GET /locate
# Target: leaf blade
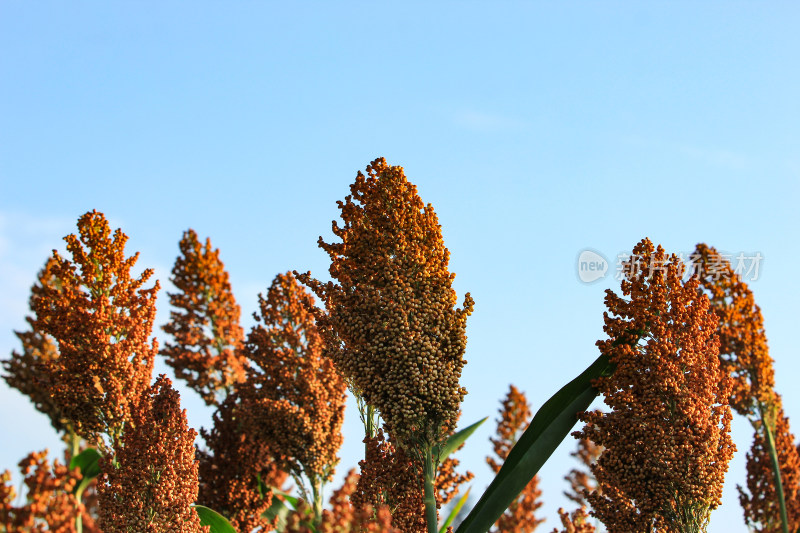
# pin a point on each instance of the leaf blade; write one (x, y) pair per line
(209, 517)
(552, 423)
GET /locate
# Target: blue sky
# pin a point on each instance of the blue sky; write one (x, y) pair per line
(536, 130)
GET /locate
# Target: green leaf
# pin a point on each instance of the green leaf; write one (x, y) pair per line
(218, 523)
(457, 439)
(278, 510)
(549, 427)
(456, 508)
(89, 463)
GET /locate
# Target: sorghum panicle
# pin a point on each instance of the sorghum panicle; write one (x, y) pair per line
(515, 415)
(207, 338)
(743, 342)
(398, 337)
(231, 466)
(667, 434)
(760, 502)
(101, 320)
(23, 369)
(293, 397)
(577, 522)
(390, 477)
(49, 503)
(581, 480)
(151, 483)
(344, 517)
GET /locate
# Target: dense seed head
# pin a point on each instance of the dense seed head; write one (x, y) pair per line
(515, 416)
(667, 434)
(101, 320)
(23, 368)
(395, 332)
(49, 500)
(760, 501)
(207, 338)
(293, 398)
(743, 342)
(151, 483)
(581, 480)
(231, 466)
(576, 522)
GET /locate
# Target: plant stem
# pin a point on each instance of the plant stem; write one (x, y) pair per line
(316, 489)
(776, 469)
(429, 474)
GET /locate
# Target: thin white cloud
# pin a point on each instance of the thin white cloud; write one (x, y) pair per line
(486, 122)
(711, 155)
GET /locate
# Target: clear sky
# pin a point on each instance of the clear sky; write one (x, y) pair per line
(535, 129)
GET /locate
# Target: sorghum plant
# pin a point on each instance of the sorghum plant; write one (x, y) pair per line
(577, 522)
(101, 320)
(515, 415)
(293, 397)
(743, 347)
(745, 355)
(231, 465)
(759, 502)
(581, 480)
(24, 368)
(150, 484)
(667, 434)
(395, 332)
(50, 504)
(207, 338)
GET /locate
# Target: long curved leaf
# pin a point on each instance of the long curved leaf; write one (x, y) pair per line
(209, 517)
(549, 427)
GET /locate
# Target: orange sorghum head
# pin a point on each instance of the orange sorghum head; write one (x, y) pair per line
(151, 483)
(23, 369)
(101, 319)
(398, 339)
(207, 338)
(577, 522)
(581, 480)
(390, 477)
(667, 434)
(49, 501)
(515, 415)
(345, 517)
(760, 502)
(293, 398)
(230, 468)
(743, 343)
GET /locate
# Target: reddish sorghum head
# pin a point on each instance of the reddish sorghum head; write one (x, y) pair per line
(49, 503)
(231, 466)
(743, 342)
(293, 398)
(101, 320)
(23, 368)
(151, 483)
(577, 522)
(205, 350)
(667, 433)
(515, 415)
(398, 337)
(760, 501)
(581, 481)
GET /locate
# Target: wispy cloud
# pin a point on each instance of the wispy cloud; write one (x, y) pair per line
(486, 122)
(710, 155)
